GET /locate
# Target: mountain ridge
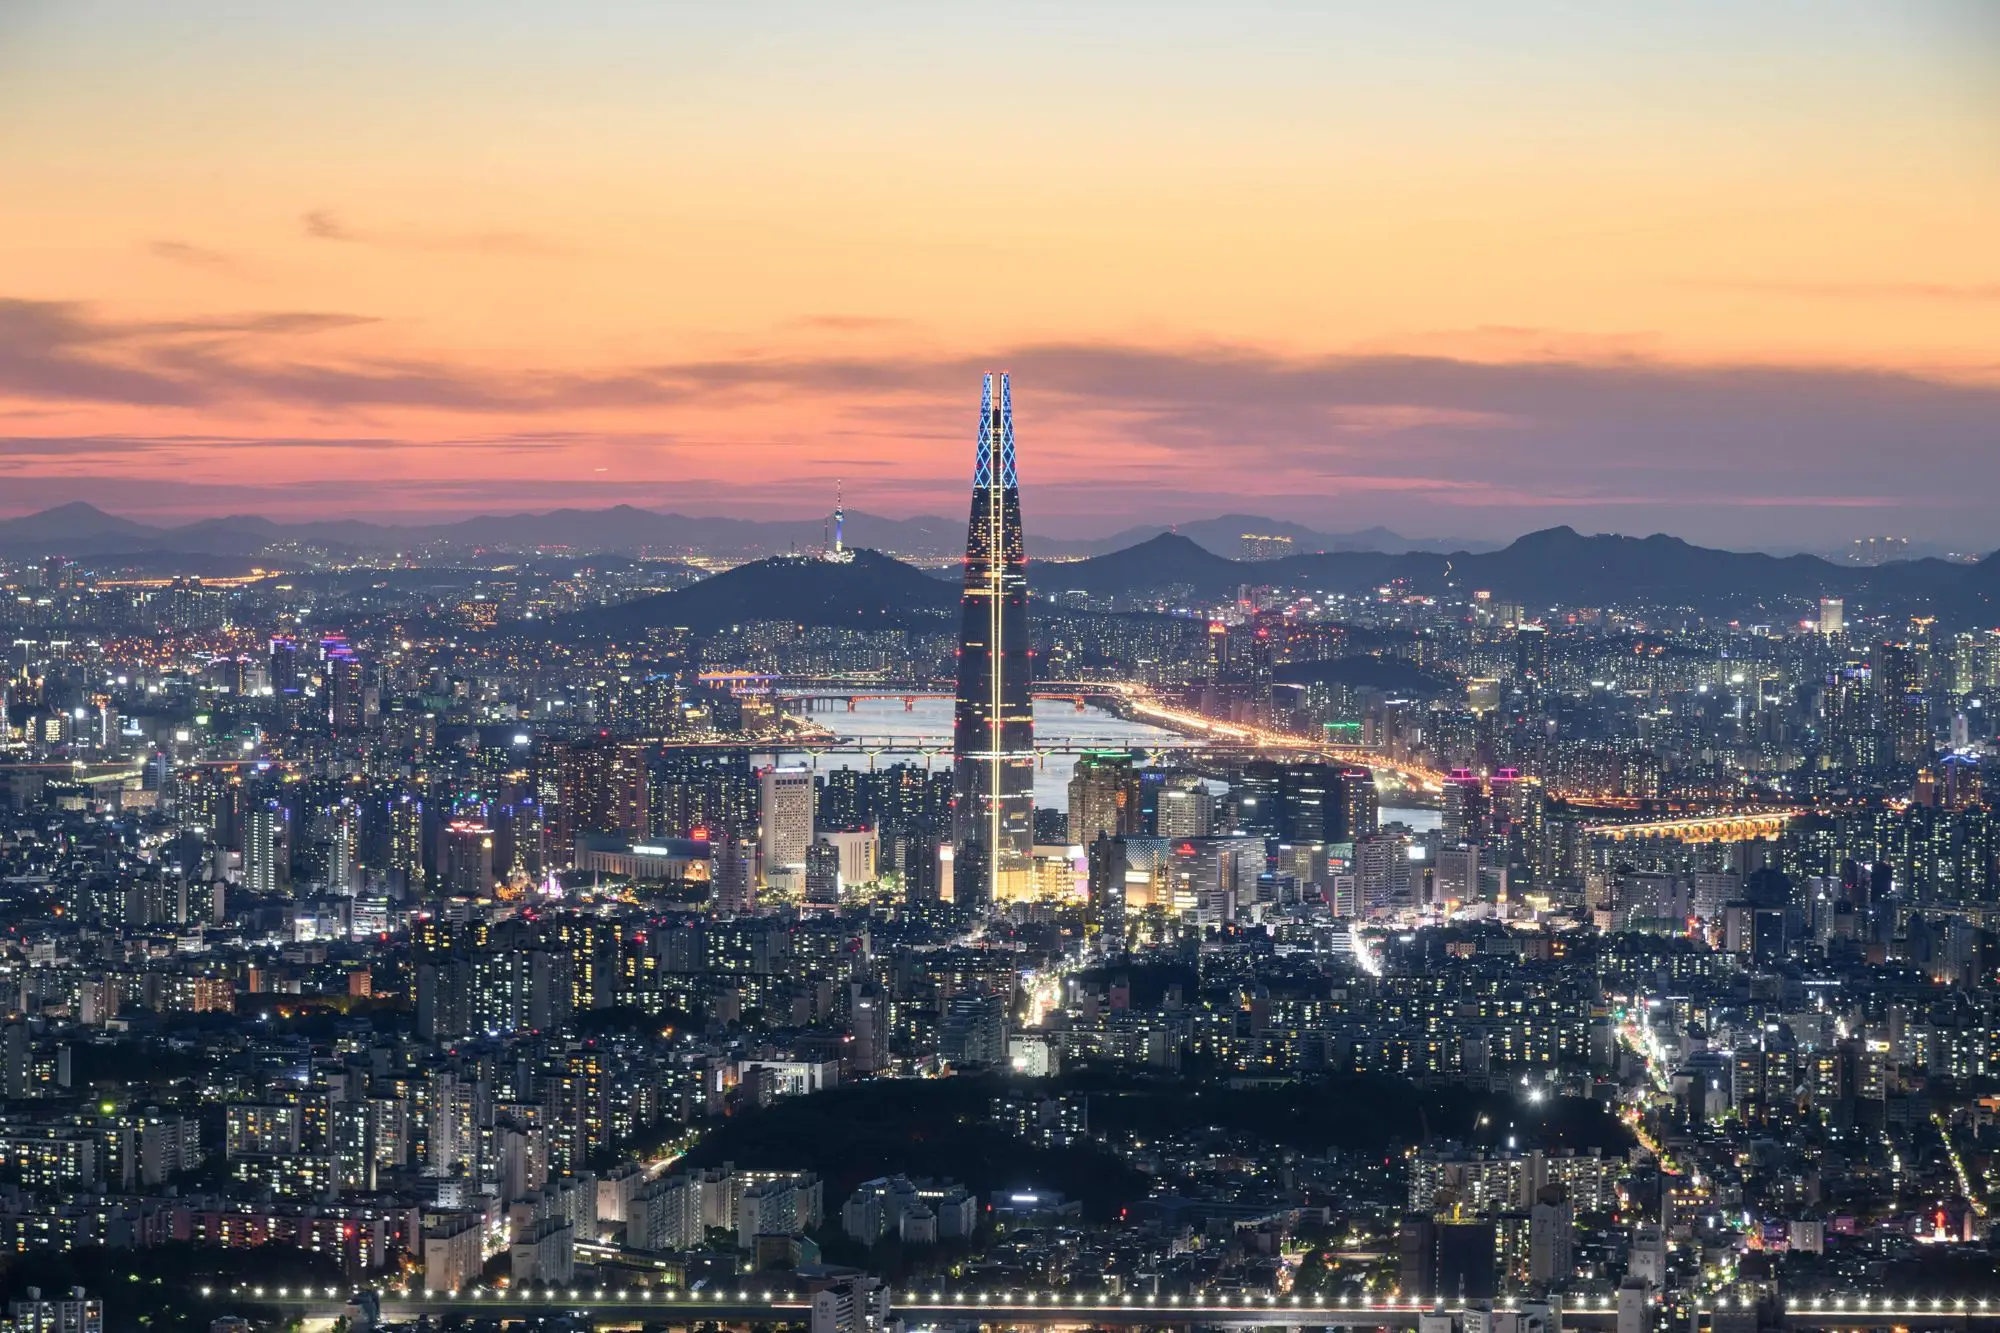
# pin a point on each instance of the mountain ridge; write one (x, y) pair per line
(1552, 566)
(82, 530)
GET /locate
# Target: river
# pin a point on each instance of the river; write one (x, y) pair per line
(926, 723)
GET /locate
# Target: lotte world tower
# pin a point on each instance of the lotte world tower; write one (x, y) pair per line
(993, 733)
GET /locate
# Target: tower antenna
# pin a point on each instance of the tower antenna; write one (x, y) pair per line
(836, 551)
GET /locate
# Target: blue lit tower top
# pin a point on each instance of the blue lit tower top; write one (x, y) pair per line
(991, 422)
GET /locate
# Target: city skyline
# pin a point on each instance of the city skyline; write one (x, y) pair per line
(539, 793)
(1721, 273)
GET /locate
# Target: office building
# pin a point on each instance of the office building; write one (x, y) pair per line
(1186, 808)
(787, 813)
(822, 874)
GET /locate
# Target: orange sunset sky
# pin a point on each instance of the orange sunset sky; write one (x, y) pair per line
(1730, 270)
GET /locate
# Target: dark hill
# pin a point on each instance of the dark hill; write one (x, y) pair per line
(1973, 598)
(1155, 565)
(74, 527)
(1354, 571)
(1391, 675)
(1171, 560)
(923, 1127)
(1562, 565)
(873, 591)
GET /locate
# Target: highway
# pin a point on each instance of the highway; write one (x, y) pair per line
(1239, 735)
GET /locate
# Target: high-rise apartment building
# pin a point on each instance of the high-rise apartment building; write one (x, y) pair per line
(1103, 796)
(1264, 546)
(267, 848)
(601, 787)
(467, 858)
(406, 839)
(993, 734)
(347, 685)
(697, 791)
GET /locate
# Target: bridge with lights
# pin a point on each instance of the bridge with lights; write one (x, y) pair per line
(1013, 1308)
(1721, 826)
(1053, 1308)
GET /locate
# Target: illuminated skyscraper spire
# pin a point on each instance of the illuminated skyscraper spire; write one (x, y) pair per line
(993, 732)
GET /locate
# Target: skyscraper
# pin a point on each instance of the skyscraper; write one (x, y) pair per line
(600, 787)
(1103, 796)
(1186, 808)
(993, 735)
(788, 824)
(267, 848)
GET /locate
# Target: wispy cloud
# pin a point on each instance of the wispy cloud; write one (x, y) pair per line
(1399, 435)
(67, 351)
(851, 323)
(323, 224)
(193, 256)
